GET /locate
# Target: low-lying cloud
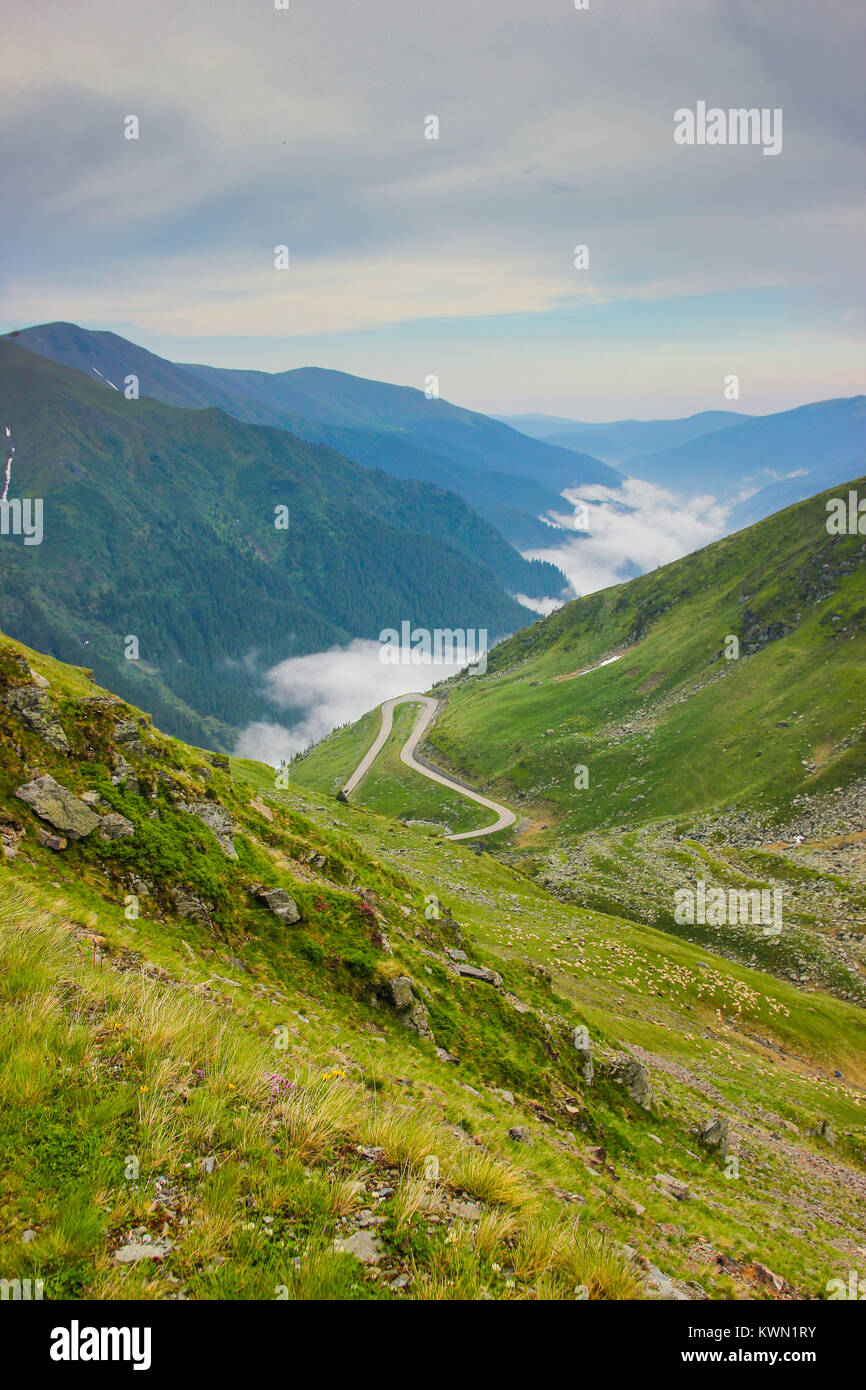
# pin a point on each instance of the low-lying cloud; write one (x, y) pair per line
(333, 688)
(615, 534)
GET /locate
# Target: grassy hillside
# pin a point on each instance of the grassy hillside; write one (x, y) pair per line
(682, 745)
(220, 1101)
(160, 523)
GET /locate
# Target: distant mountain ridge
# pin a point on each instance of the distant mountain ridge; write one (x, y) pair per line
(509, 479)
(772, 461)
(621, 440)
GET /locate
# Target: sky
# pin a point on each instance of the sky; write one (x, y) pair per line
(408, 256)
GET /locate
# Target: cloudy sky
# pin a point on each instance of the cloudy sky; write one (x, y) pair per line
(454, 256)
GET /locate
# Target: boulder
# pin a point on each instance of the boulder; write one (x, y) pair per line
(55, 843)
(137, 1250)
(520, 1134)
(34, 708)
(116, 827)
(629, 1072)
(59, 806)
(825, 1131)
(480, 973)
(583, 1048)
(399, 995)
(364, 1245)
(713, 1133)
(672, 1186)
(399, 992)
(278, 901)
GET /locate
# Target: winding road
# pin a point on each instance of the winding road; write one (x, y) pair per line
(407, 756)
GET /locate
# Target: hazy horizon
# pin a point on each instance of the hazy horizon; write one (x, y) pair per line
(308, 128)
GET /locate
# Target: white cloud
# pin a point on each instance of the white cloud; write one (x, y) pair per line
(539, 605)
(333, 688)
(631, 530)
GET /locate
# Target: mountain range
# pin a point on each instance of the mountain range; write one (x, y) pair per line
(758, 464)
(160, 524)
(510, 480)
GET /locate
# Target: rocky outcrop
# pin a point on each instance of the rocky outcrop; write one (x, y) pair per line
(124, 774)
(758, 635)
(116, 827)
(218, 821)
(478, 972)
(714, 1133)
(629, 1072)
(59, 807)
(278, 901)
(186, 904)
(583, 1047)
(399, 994)
(34, 709)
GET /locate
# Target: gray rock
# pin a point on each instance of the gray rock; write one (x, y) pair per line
(629, 1072)
(459, 957)
(674, 1187)
(187, 905)
(116, 827)
(520, 1134)
(278, 901)
(713, 1133)
(27, 1237)
(826, 1131)
(133, 1252)
(59, 806)
(125, 732)
(34, 708)
(124, 774)
(480, 973)
(399, 994)
(364, 1245)
(11, 835)
(219, 822)
(584, 1049)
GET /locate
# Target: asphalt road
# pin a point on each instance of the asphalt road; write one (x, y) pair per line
(407, 756)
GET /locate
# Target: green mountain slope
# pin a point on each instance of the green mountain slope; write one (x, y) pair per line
(243, 1063)
(159, 523)
(681, 746)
